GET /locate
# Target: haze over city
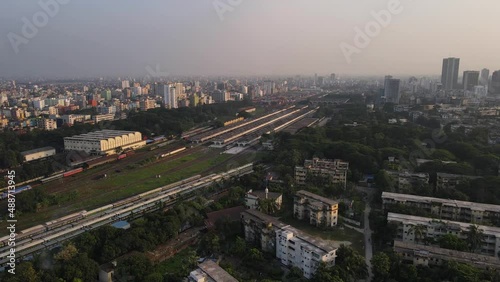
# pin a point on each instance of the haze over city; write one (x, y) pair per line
(257, 37)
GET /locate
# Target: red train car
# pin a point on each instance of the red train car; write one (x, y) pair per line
(72, 172)
(122, 156)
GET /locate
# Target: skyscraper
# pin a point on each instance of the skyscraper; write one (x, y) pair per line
(391, 90)
(470, 79)
(485, 77)
(495, 82)
(449, 74)
(169, 96)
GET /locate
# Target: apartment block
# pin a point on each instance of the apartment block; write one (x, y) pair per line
(463, 211)
(318, 210)
(430, 255)
(406, 181)
(334, 170)
(434, 228)
(292, 246)
(450, 181)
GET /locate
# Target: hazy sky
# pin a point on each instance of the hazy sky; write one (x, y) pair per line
(123, 37)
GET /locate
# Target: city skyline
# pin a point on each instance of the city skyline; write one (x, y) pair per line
(95, 39)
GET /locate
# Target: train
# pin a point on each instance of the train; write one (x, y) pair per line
(18, 190)
(87, 165)
(172, 152)
(127, 206)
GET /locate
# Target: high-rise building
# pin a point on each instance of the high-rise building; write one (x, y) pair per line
(169, 95)
(125, 84)
(269, 87)
(332, 78)
(470, 79)
(392, 90)
(449, 74)
(495, 82)
(485, 77)
(106, 94)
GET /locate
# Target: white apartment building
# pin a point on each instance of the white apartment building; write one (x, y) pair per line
(335, 170)
(463, 211)
(434, 228)
(318, 210)
(104, 141)
(47, 124)
(292, 246)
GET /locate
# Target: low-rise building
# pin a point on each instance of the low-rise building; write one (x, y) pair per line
(431, 255)
(291, 246)
(38, 153)
(252, 198)
(209, 271)
(434, 228)
(103, 117)
(450, 181)
(406, 181)
(334, 170)
(463, 211)
(318, 210)
(104, 141)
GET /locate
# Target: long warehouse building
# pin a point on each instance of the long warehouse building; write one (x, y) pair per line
(104, 141)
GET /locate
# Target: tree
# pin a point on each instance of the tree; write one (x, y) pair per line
(419, 230)
(352, 263)
(67, 253)
(452, 242)
(239, 246)
(268, 206)
(381, 266)
(474, 237)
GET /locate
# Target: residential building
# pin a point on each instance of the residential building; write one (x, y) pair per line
(431, 255)
(125, 84)
(495, 82)
(291, 246)
(99, 118)
(252, 198)
(450, 181)
(485, 77)
(38, 153)
(392, 92)
(47, 124)
(407, 181)
(209, 271)
(334, 170)
(463, 211)
(147, 104)
(470, 80)
(449, 74)
(434, 228)
(104, 141)
(318, 210)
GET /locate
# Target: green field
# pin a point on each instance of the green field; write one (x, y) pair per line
(89, 194)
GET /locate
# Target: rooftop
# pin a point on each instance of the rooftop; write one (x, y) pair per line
(217, 273)
(37, 150)
(446, 202)
(319, 243)
(418, 220)
(262, 194)
(445, 254)
(102, 134)
(322, 199)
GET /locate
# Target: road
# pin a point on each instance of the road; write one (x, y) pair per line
(367, 230)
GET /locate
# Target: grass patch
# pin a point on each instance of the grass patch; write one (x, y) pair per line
(175, 265)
